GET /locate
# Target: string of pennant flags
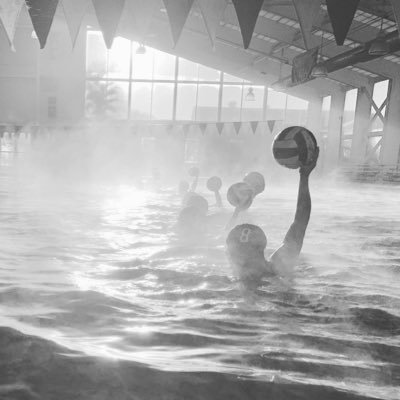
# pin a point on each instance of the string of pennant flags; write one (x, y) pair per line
(141, 12)
(14, 131)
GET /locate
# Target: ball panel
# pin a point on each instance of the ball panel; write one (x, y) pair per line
(294, 146)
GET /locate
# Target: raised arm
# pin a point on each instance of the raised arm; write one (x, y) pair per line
(284, 259)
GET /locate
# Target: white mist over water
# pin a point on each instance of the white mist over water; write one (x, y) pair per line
(90, 260)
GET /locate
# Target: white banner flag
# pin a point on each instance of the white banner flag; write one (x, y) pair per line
(213, 12)
(307, 11)
(9, 13)
(74, 11)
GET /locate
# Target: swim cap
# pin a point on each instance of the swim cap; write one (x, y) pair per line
(246, 238)
(191, 218)
(197, 201)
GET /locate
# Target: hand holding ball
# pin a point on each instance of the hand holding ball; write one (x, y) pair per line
(295, 147)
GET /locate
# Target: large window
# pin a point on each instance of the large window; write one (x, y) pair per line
(136, 83)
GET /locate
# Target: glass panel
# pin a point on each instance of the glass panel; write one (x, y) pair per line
(252, 106)
(143, 64)
(326, 108)
(107, 99)
(207, 103)
(231, 78)
(186, 102)
(276, 105)
(208, 74)
(188, 70)
(96, 55)
(349, 112)
(119, 59)
(164, 66)
(231, 103)
(163, 95)
(380, 92)
(374, 148)
(141, 100)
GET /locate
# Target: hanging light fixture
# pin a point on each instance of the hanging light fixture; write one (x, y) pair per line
(319, 70)
(250, 96)
(141, 49)
(379, 47)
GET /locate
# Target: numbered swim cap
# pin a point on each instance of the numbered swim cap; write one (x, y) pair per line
(245, 238)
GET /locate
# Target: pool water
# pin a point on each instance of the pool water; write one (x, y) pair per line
(100, 298)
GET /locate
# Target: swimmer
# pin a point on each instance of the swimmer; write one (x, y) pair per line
(194, 172)
(183, 188)
(191, 220)
(214, 184)
(246, 243)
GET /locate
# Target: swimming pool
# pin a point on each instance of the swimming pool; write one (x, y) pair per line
(100, 299)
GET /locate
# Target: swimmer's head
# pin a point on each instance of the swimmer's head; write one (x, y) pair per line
(196, 201)
(245, 247)
(191, 220)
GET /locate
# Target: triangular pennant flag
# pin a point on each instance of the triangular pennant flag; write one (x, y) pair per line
(142, 12)
(254, 126)
(203, 128)
(74, 11)
(237, 126)
(247, 13)
(108, 14)
(212, 11)
(271, 125)
(9, 13)
(178, 11)
(220, 127)
(396, 12)
(307, 11)
(341, 13)
(42, 15)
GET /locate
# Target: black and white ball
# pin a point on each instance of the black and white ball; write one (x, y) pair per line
(294, 147)
(240, 195)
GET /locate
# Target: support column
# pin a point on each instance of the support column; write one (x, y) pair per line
(361, 128)
(389, 154)
(333, 145)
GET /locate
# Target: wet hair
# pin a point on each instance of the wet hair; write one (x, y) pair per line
(246, 238)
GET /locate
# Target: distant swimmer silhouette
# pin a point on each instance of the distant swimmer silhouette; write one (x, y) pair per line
(246, 243)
